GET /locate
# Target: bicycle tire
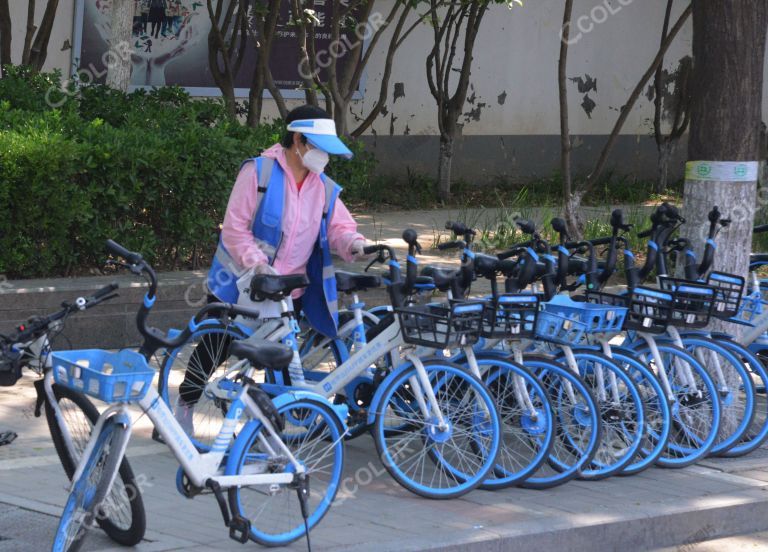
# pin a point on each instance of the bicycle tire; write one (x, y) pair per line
(565, 463)
(90, 490)
(126, 534)
(270, 531)
(679, 455)
(481, 439)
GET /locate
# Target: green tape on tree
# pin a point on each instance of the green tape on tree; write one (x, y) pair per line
(722, 171)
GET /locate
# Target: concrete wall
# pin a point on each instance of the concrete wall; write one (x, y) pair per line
(511, 117)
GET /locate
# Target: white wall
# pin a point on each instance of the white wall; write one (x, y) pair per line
(516, 53)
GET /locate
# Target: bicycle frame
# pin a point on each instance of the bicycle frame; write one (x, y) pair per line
(202, 467)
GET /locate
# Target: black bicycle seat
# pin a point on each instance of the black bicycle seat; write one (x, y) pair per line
(351, 282)
(262, 354)
(276, 288)
(441, 276)
(486, 265)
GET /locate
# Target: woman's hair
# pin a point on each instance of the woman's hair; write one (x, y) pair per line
(299, 114)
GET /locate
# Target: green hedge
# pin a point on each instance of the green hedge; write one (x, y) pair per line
(150, 169)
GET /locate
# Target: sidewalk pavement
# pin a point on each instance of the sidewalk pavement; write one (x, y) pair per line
(654, 509)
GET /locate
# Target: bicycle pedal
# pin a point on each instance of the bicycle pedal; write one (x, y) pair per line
(239, 529)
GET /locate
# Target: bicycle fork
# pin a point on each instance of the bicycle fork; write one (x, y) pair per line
(521, 394)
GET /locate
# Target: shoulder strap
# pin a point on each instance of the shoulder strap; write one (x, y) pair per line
(263, 167)
(332, 191)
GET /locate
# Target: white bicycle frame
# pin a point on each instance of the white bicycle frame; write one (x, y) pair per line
(202, 467)
(389, 341)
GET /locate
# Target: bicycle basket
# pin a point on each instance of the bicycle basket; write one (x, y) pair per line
(650, 310)
(693, 302)
(568, 322)
(112, 377)
(10, 366)
(728, 291)
(442, 326)
(511, 316)
(752, 306)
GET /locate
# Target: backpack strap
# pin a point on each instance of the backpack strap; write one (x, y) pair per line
(263, 167)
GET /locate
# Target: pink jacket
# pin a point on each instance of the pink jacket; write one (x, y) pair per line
(301, 220)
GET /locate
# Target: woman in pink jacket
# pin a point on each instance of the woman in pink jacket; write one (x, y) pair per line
(291, 176)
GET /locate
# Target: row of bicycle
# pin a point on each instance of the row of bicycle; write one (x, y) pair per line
(533, 385)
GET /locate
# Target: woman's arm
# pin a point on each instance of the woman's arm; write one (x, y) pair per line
(342, 232)
(236, 232)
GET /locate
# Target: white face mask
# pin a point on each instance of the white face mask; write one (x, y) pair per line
(315, 160)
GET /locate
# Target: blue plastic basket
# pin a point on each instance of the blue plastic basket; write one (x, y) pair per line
(568, 322)
(112, 377)
(752, 306)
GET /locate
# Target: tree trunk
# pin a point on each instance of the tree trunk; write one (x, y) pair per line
(39, 50)
(666, 150)
(444, 168)
(5, 35)
(571, 202)
(728, 51)
(120, 64)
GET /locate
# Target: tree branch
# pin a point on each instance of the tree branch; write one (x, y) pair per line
(600, 165)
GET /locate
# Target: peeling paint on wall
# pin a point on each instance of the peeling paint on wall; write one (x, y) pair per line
(670, 88)
(399, 91)
(502, 98)
(588, 105)
(585, 84)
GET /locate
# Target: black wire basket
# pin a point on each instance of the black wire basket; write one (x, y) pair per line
(511, 316)
(650, 310)
(603, 298)
(694, 302)
(729, 289)
(442, 326)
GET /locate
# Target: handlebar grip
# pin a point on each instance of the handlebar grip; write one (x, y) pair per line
(645, 233)
(511, 253)
(120, 251)
(449, 245)
(596, 242)
(239, 310)
(760, 229)
(106, 290)
(370, 249)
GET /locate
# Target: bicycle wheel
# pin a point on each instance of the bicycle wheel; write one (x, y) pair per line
(125, 521)
(655, 406)
(757, 432)
(577, 423)
(317, 442)
(735, 388)
(695, 414)
(90, 490)
(527, 428)
(622, 416)
(425, 457)
(186, 372)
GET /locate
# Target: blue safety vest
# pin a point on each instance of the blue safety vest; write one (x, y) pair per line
(320, 301)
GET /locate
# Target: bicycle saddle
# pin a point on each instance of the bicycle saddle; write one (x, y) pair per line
(276, 288)
(350, 282)
(262, 354)
(486, 265)
(440, 275)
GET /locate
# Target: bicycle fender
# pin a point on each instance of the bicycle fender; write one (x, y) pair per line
(380, 389)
